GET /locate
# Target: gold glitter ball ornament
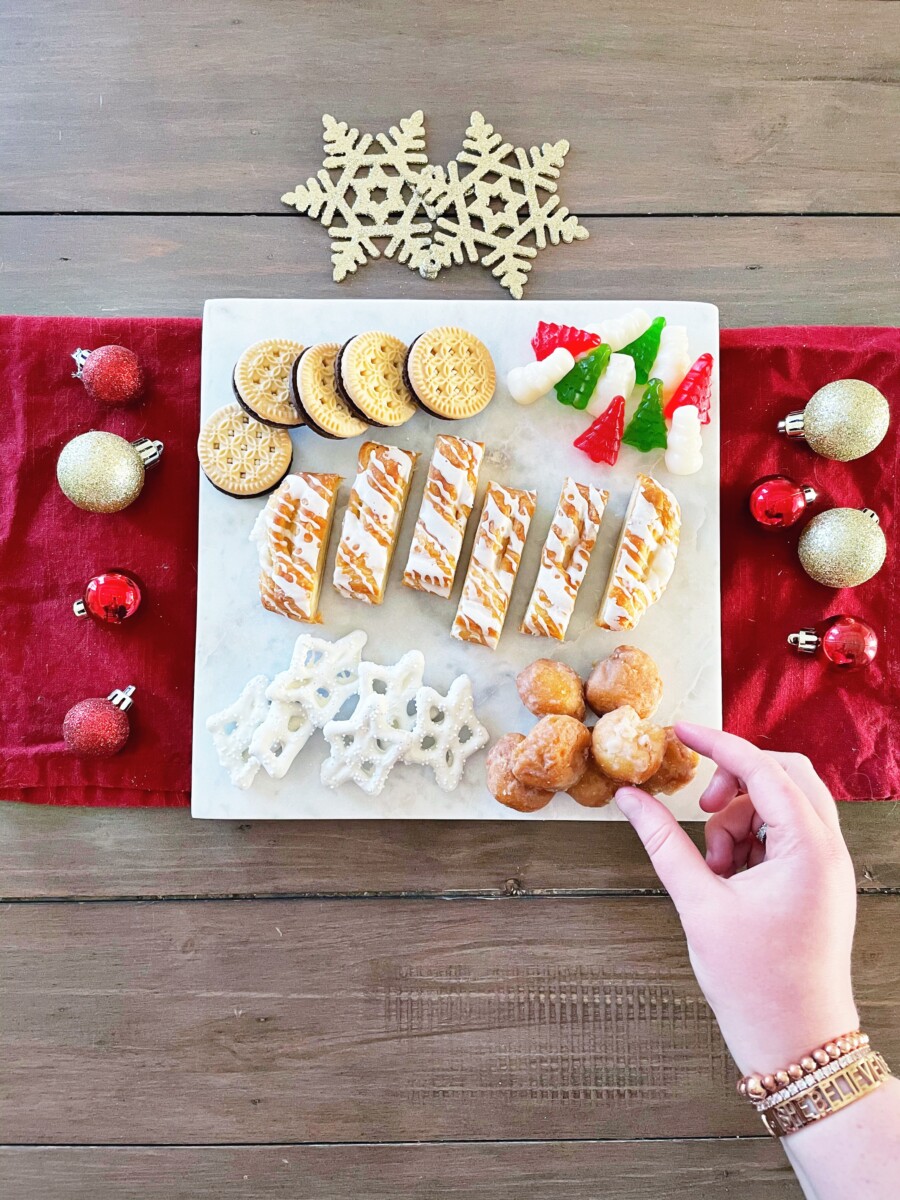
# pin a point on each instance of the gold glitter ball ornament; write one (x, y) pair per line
(842, 420)
(104, 473)
(843, 547)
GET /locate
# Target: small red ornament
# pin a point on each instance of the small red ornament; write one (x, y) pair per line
(112, 374)
(111, 597)
(98, 727)
(847, 642)
(602, 440)
(777, 501)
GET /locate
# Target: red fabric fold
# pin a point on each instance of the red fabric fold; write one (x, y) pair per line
(847, 724)
(49, 549)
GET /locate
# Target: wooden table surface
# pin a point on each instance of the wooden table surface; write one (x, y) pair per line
(322, 1010)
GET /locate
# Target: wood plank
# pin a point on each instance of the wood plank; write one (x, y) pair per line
(760, 271)
(389, 1021)
(753, 1169)
(81, 852)
(217, 104)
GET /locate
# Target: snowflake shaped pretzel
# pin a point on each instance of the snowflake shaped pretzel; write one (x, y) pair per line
(367, 745)
(495, 214)
(322, 676)
(233, 728)
(365, 190)
(446, 732)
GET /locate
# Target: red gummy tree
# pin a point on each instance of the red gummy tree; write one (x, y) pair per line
(602, 440)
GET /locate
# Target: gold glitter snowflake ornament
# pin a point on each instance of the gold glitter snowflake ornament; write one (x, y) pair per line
(494, 214)
(366, 191)
(500, 213)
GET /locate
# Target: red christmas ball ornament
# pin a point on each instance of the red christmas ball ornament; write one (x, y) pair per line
(777, 501)
(98, 727)
(847, 642)
(111, 597)
(111, 374)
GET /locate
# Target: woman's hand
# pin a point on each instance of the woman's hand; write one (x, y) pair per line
(770, 946)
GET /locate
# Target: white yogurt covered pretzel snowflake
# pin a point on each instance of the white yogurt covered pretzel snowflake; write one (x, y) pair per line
(446, 732)
(368, 744)
(233, 728)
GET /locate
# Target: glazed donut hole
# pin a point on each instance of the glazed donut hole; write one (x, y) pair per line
(628, 677)
(627, 748)
(554, 755)
(593, 789)
(548, 688)
(504, 786)
(678, 767)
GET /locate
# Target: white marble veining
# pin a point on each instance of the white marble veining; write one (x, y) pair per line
(526, 448)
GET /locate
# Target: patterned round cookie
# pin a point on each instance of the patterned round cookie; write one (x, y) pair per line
(368, 373)
(240, 456)
(451, 373)
(262, 381)
(316, 397)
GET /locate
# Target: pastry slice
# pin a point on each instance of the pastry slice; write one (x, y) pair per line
(564, 559)
(496, 555)
(444, 514)
(372, 521)
(292, 534)
(645, 556)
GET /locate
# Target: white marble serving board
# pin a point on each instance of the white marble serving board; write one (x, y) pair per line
(526, 447)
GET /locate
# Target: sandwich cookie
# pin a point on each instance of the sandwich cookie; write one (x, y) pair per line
(316, 397)
(450, 373)
(368, 374)
(240, 456)
(262, 382)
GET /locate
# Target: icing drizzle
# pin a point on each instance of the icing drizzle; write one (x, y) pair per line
(564, 559)
(291, 534)
(372, 521)
(446, 506)
(495, 560)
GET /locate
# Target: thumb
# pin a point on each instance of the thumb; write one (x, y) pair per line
(676, 860)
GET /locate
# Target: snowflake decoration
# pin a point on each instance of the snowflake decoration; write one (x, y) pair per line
(365, 191)
(494, 214)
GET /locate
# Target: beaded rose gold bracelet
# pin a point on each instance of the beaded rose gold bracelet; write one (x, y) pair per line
(822, 1082)
(756, 1087)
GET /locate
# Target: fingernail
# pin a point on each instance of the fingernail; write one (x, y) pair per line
(628, 800)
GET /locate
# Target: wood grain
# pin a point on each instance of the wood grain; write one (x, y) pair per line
(824, 270)
(216, 105)
(752, 1169)
(346, 1020)
(50, 852)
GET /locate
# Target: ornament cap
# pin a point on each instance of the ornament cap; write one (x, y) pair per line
(872, 515)
(121, 698)
(792, 424)
(149, 451)
(79, 608)
(81, 357)
(809, 493)
(807, 641)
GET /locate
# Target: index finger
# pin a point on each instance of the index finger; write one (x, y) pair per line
(777, 799)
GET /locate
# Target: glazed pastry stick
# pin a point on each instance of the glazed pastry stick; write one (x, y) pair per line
(372, 521)
(496, 555)
(564, 559)
(292, 533)
(444, 514)
(645, 556)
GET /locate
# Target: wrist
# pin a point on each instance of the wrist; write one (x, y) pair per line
(766, 1050)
